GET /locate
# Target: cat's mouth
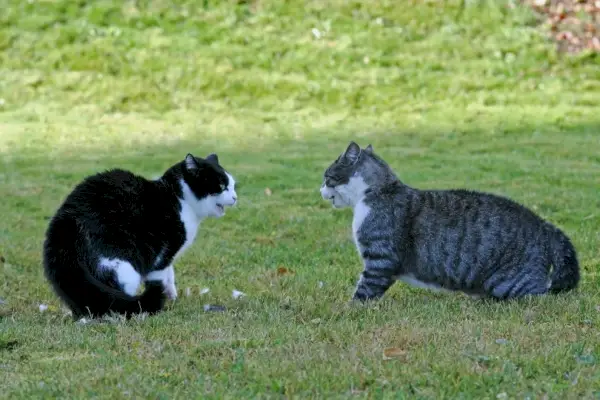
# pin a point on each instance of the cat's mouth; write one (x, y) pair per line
(333, 203)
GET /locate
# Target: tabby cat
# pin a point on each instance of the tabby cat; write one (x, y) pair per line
(477, 243)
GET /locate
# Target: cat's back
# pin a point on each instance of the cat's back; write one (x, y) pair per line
(115, 185)
(464, 202)
(476, 219)
(114, 194)
(431, 211)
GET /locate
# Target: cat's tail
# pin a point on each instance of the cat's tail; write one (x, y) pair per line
(97, 298)
(565, 274)
(67, 265)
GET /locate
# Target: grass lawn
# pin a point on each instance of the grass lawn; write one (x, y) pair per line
(452, 94)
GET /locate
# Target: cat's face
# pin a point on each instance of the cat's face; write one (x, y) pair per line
(211, 187)
(343, 183)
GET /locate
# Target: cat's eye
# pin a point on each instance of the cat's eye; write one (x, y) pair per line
(223, 187)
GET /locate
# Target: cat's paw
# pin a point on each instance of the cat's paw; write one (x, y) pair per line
(171, 291)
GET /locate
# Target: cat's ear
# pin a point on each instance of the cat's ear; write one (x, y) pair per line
(369, 149)
(190, 162)
(352, 153)
(212, 158)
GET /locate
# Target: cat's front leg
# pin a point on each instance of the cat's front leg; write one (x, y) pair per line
(170, 288)
(167, 277)
(377, 277)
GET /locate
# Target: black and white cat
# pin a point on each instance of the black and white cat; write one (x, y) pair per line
(117, 230)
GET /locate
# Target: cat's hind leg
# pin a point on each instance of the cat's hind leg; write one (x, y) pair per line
(167, 277)
(127, 278)
(529, 281)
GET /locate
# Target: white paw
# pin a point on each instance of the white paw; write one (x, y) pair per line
(171, 291)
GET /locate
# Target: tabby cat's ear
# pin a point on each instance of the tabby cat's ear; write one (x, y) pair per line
(190, 162)
(369, 149)
(212, 158)
(352, 153)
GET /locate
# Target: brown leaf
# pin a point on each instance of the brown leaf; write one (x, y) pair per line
(268, 192)
(283, 271)
(264, 240)
(391, 353)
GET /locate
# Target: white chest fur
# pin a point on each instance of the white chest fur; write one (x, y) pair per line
(361, 211)
(190, 223)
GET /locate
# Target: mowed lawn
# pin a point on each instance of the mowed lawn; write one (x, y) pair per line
(452, 94)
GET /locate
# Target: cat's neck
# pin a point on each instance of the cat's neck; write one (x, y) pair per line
(189, 204)
(173, 182)
(356, 199)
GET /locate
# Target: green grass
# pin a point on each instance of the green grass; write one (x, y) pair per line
(452, 94)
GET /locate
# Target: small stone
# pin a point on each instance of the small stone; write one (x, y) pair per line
(214, 308)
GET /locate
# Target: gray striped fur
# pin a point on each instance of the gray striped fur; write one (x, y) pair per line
(450, 240)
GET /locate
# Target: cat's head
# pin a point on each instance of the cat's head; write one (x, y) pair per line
(209, 187)
(351, 174)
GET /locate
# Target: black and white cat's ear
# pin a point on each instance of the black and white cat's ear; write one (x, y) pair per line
(369, 149)
(352, 153)
(190, 162)
(212, 158)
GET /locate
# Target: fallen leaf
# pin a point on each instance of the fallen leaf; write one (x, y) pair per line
(320, 284)
(315, 321)
(264, 240)
(236, 294)
(501, 341)
(43, 307)
(204, 291)
(283, 271)
(394, 352)
(188, 292)
(268, 192)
